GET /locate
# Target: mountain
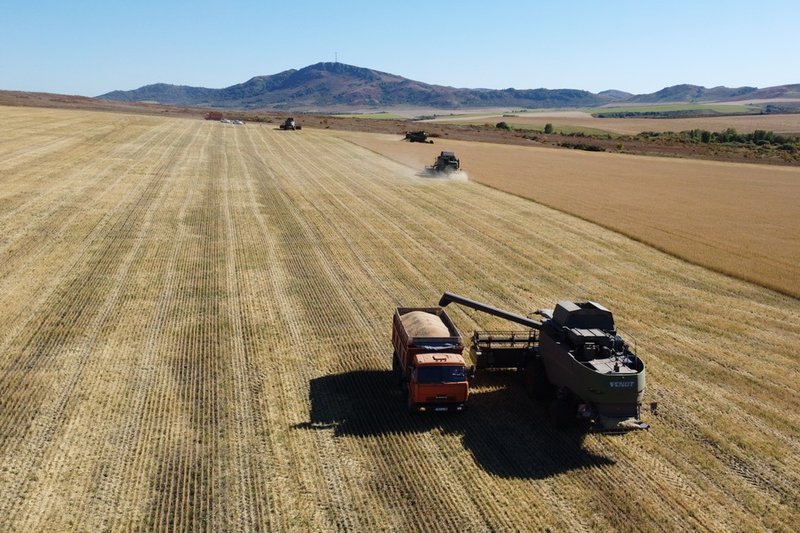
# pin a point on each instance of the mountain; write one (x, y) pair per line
(693, 93)
(614, 96)
(337, 85)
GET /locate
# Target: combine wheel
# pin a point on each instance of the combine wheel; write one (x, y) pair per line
(535, 379)
(562, 412)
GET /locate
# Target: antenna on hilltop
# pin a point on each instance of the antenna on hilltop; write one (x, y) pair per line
(336, 57)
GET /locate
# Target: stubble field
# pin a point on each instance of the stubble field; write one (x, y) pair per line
(194, 335)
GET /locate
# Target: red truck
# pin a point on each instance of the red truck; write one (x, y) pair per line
(428, 359)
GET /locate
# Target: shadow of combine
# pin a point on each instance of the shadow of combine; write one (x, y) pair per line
(507, 434)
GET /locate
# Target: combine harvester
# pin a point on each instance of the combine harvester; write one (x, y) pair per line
(446, 162)
(290, 124)
(574, 356)
(417, 137)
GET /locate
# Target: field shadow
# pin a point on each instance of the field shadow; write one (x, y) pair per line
(507, 434)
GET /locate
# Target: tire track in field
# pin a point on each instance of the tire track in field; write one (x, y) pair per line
(60, 223)
(182, 486)
(78, 307)
(66, 134)
(150, 385)
(250, 505)
(289, 229)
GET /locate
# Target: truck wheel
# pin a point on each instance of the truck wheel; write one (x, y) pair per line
(562, 412)
(412, 406)
(535, 379)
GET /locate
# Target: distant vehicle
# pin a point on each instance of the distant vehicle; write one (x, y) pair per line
(417, 137)
(446, 162)
(290, 124)
(214, 115)
(427, 359)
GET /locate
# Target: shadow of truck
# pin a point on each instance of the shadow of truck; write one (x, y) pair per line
(508, 434)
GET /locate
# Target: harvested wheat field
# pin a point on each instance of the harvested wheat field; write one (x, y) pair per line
(739, 219)
(194, 336)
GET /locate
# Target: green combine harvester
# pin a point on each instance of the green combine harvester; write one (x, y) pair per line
(573, 357)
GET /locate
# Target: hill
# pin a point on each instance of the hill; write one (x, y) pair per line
(698, 94)
(331, 86)
(326, 85)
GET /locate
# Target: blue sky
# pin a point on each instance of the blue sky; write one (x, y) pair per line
(91, 47)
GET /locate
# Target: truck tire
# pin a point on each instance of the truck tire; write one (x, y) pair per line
(535, 380)
(412, 406)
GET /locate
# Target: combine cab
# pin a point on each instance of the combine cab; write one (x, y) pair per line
(290, 125)
(417, 137)
(446, 162)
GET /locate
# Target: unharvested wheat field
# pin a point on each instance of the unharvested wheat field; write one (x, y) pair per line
(739, 219)
(194, 336)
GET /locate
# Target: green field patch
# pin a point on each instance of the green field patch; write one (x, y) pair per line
(564, 129)
(377, 116)
(720, 109)
(572, 130)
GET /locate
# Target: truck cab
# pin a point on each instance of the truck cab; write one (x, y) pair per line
(438, 382)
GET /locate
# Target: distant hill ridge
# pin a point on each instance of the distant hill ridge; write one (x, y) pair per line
(332, 85)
